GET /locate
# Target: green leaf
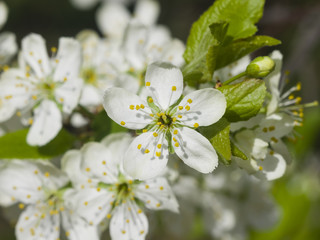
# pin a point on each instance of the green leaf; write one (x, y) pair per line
(237, 152)
(14, 145)
(242, 47)
(218, 135)
(240, 14)
(101, 125)
(244, 100)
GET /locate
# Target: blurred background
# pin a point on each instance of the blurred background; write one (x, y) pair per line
(295, 22)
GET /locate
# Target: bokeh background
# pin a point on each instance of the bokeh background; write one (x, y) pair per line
(295, 22)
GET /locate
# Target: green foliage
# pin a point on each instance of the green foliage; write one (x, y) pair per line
(14, 145)
(237, 152)
(222, 35)
(218, 135)
(244, 100)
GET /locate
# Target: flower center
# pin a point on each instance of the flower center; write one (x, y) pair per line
(90, 76)
(165, 119)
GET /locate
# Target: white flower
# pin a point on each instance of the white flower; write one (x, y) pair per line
(47, 86)
(169, 121)
(38, 187)
(115, 195)
(8, 45)
(266, 152)
(113, 18)
(87, 4)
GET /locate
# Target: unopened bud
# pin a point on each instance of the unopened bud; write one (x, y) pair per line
(260, 67)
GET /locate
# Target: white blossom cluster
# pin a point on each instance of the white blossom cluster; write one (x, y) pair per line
(134, 73)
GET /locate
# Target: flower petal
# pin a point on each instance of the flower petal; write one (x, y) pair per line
(146, 157)
(128, 222)
(112, 19)
(3, 14)
(173, 52)
(8, 47)
(195, 150)
(157, 194)
(70, 163)
(84, 4)
(202, 107)
(118, 102)
(147, 12)
(35, 224)
(165, 83)
(91, 204)
(35, 53)
(281, 148)
(68, 59)
(98, 163)
(68, 94)
(272, 167)
(47, 124)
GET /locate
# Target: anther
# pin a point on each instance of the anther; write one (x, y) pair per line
(147, 84)
(174, 88)
(196, 125)
(122, 123)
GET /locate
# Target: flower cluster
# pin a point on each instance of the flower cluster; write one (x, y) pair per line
(117, 114)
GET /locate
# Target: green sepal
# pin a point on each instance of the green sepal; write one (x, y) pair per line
(154, 108)
(172, 110)
(237, 152)
(219, 136)
(14, 146)
(169, 139)
(244, 100)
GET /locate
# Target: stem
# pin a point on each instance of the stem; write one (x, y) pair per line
(235, 78)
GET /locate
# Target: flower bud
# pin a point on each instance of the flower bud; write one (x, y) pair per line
(260, 67)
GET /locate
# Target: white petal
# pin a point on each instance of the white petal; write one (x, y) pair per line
(77, 228)
(128, 222)
(3, 14)
(275, 126)
(78, 120)
(157, 38)
(84, 4)
(98, 163)
(273, 79)
(134, 43)
(46, 124)
(69, 59)
(91, 204)
(19, 181)
(165, 83)
(91, 96)
(70, 163)
(117, 102)
(147, 11)
(273, 167)
(33, 224)
(207, 107)
(117, 143)
(35, 53)
(281, 148)
(112, 19)
(68, 94)
(195, 150)
(173, 53)
(157, 194)
(127, 82)
(8, 47)
(141, 160)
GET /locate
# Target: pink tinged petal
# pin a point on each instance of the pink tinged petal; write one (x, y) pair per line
(68, 94)
(125, 109)
(68, 59)
(35, 54)
(21, 181)
(274, 127)
(195, 150)
(147, 156)
(92, 205)
(46, 125)
(34, 224)
(202, 107)
(70, 164)
(98, 163)
(112, 19)
(157, 194)
(272, 167)
(128, 222)
(147, 12)
(165, 83)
